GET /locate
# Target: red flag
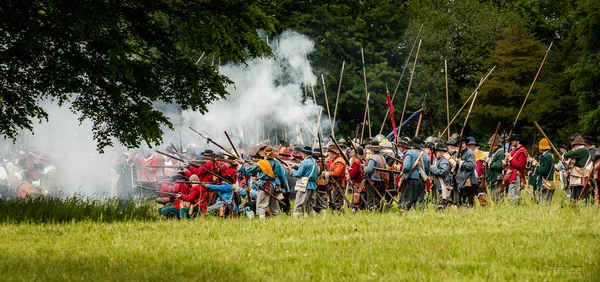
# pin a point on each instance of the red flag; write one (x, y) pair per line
(391, 107)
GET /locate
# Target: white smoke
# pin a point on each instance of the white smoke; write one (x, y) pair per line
(256, 101)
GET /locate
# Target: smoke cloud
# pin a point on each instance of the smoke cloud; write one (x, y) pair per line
(260, 106)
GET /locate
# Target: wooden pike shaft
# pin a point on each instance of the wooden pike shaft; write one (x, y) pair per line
(337, 99)
(364, 119)
(447, 99)
(468, 113)
(558, 154)
(327, 103)
(408, 90)
(467, 101)
(530, 88)
(401, 76)
(362, 52)
(419, 124)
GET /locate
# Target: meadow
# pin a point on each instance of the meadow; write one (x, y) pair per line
(528, 242)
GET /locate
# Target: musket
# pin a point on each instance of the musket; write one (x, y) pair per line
(551, 145)
(156, 191)
(194, 182)
(209, 140)
(162, 166)
(176, 158)
(485, 165)
(387, 170)
(233, 146)
(397, 135)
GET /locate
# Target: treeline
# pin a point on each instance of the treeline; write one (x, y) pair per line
(472, 36)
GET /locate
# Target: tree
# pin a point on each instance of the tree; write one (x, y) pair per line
(112, 59)
(517, 59)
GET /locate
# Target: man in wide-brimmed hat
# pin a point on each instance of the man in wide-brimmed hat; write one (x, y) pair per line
(306, 183)
(336, 173)
(494, 168)
(271, 177)
(440, 169)
(590, 144)
(374, 182)
(466, 177)
(415, 171)
(515, 175)
(581, 156)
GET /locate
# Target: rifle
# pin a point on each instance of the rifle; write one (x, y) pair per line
(176, 158)
(486, 165)
(156, 191)
(208, 140)
(348, 164)
(194, 182)
(387, 170)
(231, 143)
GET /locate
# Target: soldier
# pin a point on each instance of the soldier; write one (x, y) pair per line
(356, 178)
(374, 182)
(580, 155)
(515, 176)
(306, 185)
(465, 174)
(544, 172)
(336, 173)
(271, 177)
(415, 171)
(440, 170)
(494, 168)
(194, 202)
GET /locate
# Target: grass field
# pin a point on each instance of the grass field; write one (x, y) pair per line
(528, 242)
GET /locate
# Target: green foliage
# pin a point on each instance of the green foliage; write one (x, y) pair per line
(74, 209)
(517, 58)
(113, 59)
(499, 243)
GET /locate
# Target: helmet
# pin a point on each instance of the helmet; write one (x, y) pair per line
(379, 137)
(430, 141)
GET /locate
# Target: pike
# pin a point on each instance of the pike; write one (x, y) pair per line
(408, 90)
(468, 114)
(337, 99)
(401, 76)
(367, 114)
(467, 101)
(327, 102)
(447, 99)
(530, 88)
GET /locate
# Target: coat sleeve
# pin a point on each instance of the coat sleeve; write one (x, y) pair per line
(300, 172)
(468, 163)
(370, 166)
(282, 177)
(193, 194)
(355, 170)
(408, 163)
(338, 170)
(441, 169)
(496, 163)
(545, 166)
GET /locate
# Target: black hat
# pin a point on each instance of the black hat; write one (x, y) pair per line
(208, 153)
(416, 142)
(515, 137)
(440, 147)
(575, 136)
(305, 149)
(590, 140)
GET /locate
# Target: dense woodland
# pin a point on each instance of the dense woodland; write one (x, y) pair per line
(473, 36)
(137, 52)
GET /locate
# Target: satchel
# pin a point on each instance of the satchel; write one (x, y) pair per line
(302, 183)
(578, 176)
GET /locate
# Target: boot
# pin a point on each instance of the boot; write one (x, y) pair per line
(323, 212)
(261, 216)
(298, 214)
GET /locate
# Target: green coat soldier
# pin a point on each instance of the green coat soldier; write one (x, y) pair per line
(544, 172)
(581, 157)
(495, 167)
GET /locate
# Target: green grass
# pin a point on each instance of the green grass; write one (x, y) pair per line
(74, 209)
(527, 242)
